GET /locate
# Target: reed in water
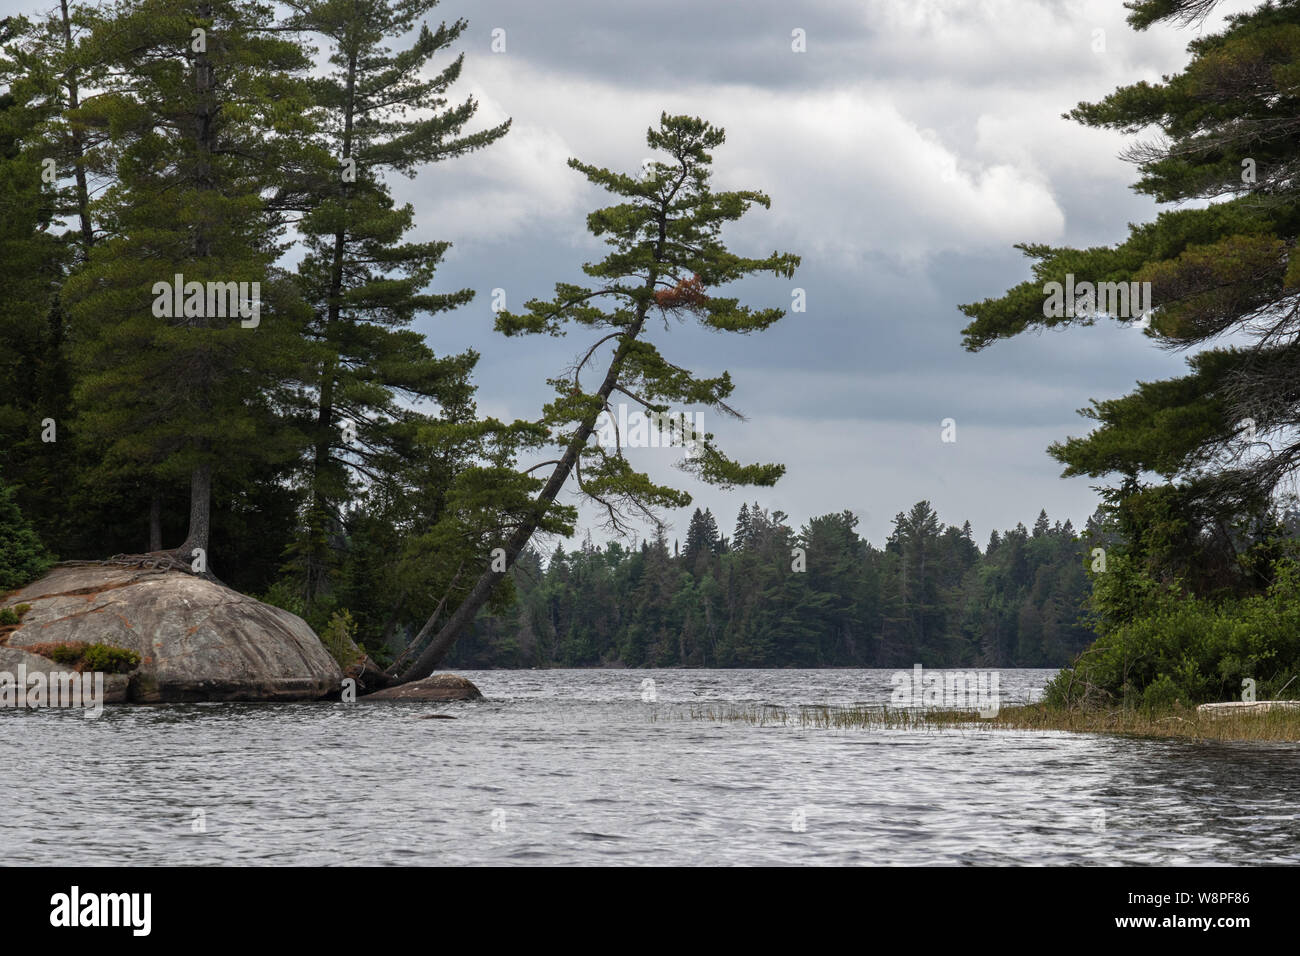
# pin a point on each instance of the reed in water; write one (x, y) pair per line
(1179, 722)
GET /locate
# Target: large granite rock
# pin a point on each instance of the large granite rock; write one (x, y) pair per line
(197, 640)
(434, 687)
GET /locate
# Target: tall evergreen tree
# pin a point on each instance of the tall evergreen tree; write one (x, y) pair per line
(49, 63)
(702, 535)
(206, 110)
(1224, 438)
(379, 114)
(33, 379)
(740, 537)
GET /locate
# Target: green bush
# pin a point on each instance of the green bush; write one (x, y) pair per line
(13, 615)
(109, 660)
(22, 556)
(320, 617)
(69, 654)
(337, 636)
(1192, 651)
(286, 597)
(102, 658)
(335, 625)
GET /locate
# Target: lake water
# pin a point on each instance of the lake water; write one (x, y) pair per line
(574, 767)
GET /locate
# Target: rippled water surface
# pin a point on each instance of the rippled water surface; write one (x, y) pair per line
(573, 767)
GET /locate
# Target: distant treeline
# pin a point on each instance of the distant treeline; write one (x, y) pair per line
(819, 596)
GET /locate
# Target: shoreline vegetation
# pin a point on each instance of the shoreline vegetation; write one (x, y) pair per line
(1186, 723)
(928, 593)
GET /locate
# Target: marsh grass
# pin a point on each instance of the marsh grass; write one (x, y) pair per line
(1187, 723)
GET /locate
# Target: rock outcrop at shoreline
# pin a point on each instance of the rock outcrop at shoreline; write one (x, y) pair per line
(197, 640)
(435, 687)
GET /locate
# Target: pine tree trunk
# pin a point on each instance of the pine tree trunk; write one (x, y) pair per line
(318, 558)
(155, 522)
(78, 143)
(200, 511)
(317, 570)
(205, 142)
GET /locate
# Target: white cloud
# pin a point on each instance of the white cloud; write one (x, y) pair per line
(847, 172)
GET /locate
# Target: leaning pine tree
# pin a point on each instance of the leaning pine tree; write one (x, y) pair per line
(667, 253)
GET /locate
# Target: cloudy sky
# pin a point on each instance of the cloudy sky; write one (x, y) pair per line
(905, 152)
